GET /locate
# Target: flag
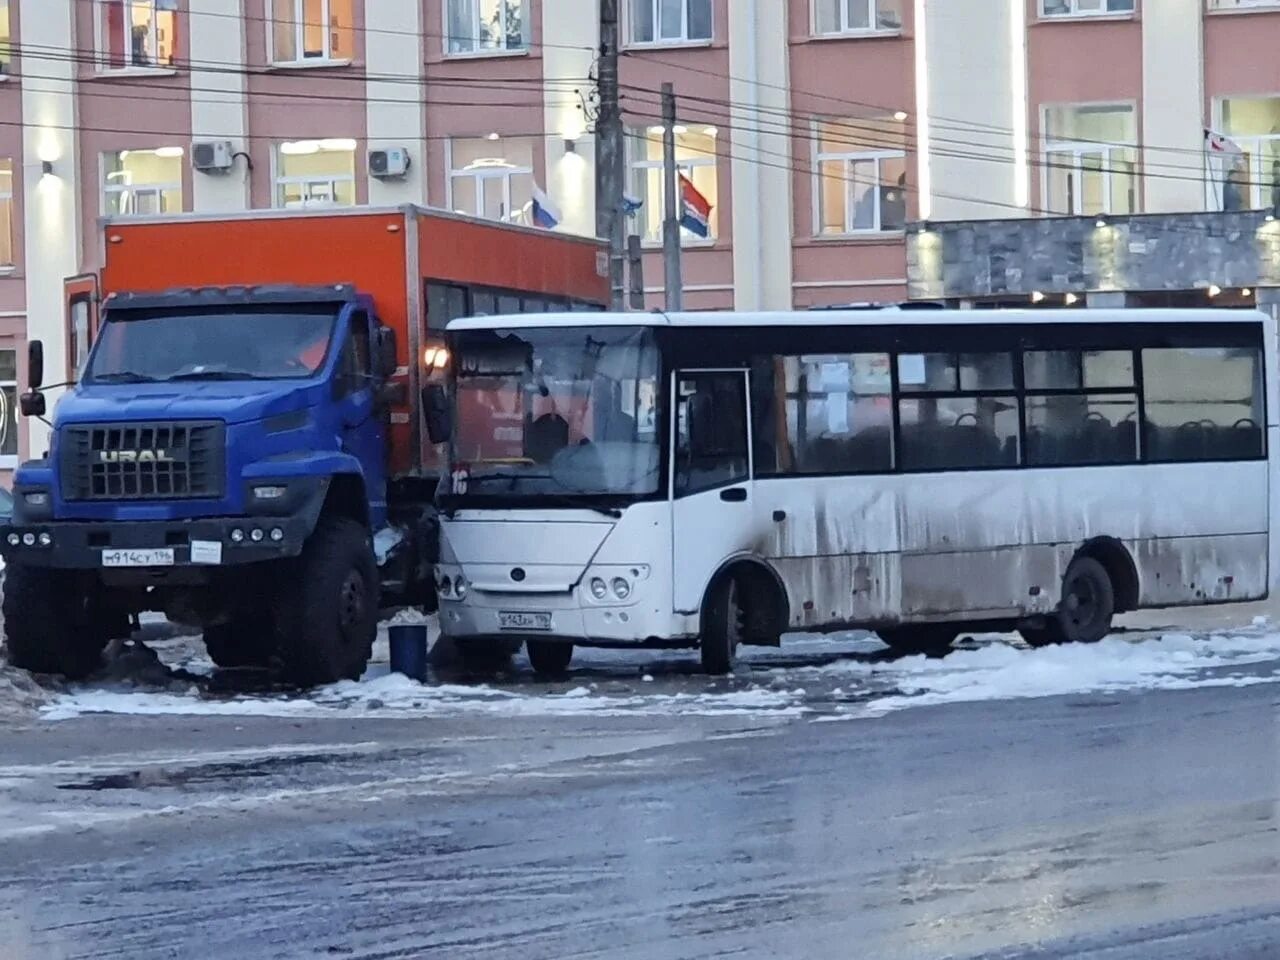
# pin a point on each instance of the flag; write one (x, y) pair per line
(545, 213)
(631, 205)
(1216, 143)
(695, 209)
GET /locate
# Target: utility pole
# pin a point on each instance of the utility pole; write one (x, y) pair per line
(671, 195)
(610, 154)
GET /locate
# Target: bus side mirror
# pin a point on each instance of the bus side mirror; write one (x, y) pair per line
(35, 365)
(435, 410)
(386, 353)
(32, 404)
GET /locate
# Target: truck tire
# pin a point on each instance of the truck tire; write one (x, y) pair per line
(240, 643)
(548, 657)
(49, 623)
(723, 620)
(326, 612)
(931, 639)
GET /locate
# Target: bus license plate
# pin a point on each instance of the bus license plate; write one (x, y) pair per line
(523, 621)
(160, 557)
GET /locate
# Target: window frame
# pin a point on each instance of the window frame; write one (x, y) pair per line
(103, 51)
(299, 33)
(8, 196)
(844, 30)
(1075, 13)
(849, 157)
(279, 180)
(9, 461)
(1078, 149)
(1252, 145)
(7, 54)
(685, 167)
(505, 50)
(107, 190)
(505, 173)
(684, 40)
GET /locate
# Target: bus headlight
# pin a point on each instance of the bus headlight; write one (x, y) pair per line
(446, 586)
(599, 589)
(460, 587)
(621, 589)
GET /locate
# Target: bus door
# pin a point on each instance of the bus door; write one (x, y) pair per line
(711, 485)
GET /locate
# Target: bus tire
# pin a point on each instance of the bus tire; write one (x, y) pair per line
(485, 655)
(548, 657)
(1085, 610)
(50, 624)
(723, 625)
(931, 639)
(238, 643)
(327, 611)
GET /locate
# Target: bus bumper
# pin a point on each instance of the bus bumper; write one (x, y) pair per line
(534, 618)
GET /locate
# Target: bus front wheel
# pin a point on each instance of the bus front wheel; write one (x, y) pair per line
(549, 658)
(723, 623)
(1084, 613)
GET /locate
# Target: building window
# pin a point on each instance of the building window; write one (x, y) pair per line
(137, 34)
(491, 178)
(1090, 159)
(139, 183)
(1247, 174)
(311, 31)
(6, 45)
(860, 177)
(316, 173)
(7, 241)
(670, 21)
(480, 26)
(1243, 4)
(695, 158)
(856, 16)
(8, 408)
(1084, 8)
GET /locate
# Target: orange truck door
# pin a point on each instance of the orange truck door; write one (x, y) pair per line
(80, 294)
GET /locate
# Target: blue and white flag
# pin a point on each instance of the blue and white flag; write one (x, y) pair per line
(631, 205)
(545, 213)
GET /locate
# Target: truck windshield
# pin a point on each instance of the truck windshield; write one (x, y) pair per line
(258, 344)
(553, 411)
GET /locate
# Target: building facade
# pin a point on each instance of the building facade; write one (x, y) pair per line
(968, 150)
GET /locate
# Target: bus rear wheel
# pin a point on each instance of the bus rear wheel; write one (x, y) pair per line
(548, 657)
(1085, 611)
(931, 639)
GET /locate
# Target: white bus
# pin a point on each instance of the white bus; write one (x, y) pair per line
(715, 479)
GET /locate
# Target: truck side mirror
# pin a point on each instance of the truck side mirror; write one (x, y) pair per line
(32, 404)
(435, 410)
(35, 364)
(386, 353)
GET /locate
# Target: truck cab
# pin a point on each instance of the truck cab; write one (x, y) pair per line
(223, 459)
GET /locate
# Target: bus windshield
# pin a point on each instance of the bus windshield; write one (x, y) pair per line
(555, 411)
(256, 344)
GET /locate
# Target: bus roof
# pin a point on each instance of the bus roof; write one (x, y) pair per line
(827, 318)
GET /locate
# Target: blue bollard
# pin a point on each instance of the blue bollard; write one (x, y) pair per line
(409, 650)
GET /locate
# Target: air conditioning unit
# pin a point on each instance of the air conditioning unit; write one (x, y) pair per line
(213, 156)
(389, 164)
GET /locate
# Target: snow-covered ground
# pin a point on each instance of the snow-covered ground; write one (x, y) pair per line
(845, 677)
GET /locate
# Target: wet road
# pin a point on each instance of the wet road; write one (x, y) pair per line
(1118, 827)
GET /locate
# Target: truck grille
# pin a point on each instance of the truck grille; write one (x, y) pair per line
(143, 461)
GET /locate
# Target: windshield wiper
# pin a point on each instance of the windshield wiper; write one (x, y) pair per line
(122, 376)
(216, 375)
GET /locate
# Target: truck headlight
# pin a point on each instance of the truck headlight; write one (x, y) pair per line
(14, 539)
(45, 539)
(270, 492)
(36, 498)
(28, 539)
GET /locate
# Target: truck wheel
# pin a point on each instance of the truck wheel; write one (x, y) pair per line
(1084, 613)
(239, 643)
(549, 658)
(722, 626)
(49, 623)
(931, 639)
(327, 612)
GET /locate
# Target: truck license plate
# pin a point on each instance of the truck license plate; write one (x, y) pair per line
(524, 621)
(159, 557)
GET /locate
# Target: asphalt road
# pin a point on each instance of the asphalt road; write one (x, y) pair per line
(1113, 827)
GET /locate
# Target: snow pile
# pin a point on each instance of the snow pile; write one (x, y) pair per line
(1002, 672)
(20, 695)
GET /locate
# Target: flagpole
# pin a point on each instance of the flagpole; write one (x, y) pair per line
(671, 195)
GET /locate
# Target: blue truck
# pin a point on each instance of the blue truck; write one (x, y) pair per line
(247, 457)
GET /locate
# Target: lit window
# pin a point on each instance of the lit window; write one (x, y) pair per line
(860, 176)
(307, 31)
(137, 33)
(139, 183)
(1247, 171)
(857, 16)
(478, 26)
(6, 47)
(8, 408)
(670, 21)
(6, 213)
(1084, 8)
(316, 173)
(695, 158)
(491, 178)
(1090, 159)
